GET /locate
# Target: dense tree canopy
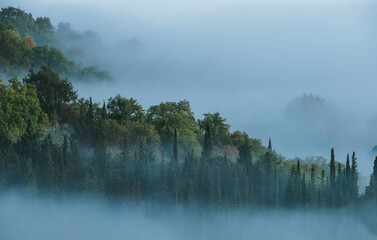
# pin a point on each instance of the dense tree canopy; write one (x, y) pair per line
(20, 112)
(171, 115)
(119, 150)
(125, 110)
(52, 90)
(40, 45)
(220, 129)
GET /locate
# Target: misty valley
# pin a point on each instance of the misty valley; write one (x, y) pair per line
(72, 167)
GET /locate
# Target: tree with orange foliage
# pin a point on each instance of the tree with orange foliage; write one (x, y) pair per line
(29, 42)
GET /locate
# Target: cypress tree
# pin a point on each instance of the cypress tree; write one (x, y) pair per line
(31, 178)
(218, 186)
(348, 171)
(91, 178)
(60, 173)
(319, 199)
(75, 171)
(100, 149)
(306, 197)
(347, 180)
(298, 182)
(332, 169)
(371, 190)
(189, 193)
(234, 186)
(354, 177)
(89, 116)
(323, 179)
(175, 147)
(163, 177)
(50, 174)
(65, 152)
(135, 190)
(89, 123)
(103, 114)
(375, 168)
(126, 151)
(207, 147)
(176, 191)
(246, 190)
(289, 193)
(312, 179)
(207, 194)
(276, 189)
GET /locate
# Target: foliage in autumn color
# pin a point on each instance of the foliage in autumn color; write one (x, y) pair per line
(29, 42)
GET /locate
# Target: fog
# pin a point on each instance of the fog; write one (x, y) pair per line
(80, 218)
(248, 60)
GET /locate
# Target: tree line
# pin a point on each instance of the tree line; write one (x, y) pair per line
(53, 143)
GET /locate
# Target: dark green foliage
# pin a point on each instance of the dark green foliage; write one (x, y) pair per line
(332, 168)
(220, 129)
(19, 21)
(175, 147)
(354, 189)
(125, 110)
(245, 151)
(169, 116)
(207, 148)
(52, 90)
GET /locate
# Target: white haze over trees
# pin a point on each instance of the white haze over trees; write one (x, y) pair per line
(301, 72)
(245, 59)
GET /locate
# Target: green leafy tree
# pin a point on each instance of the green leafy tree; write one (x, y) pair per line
(14, 52)
(22, 114)
(207, 145)
(220, 129)
(171, 115)
(125, 110)
(53, 91)
(22, 22)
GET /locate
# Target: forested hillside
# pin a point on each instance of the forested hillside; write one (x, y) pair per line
(53, 143)
(28, 43)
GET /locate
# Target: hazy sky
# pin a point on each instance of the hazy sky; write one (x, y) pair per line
(246, 59)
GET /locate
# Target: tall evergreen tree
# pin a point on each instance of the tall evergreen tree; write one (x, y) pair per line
(175, 147)
(332, 169)
(31, 178)
(60, 172)
(218, 186)
(354, 188)
(276, 188)
(91, 178)
(207, 147)
(75, 170)
(207, 186)
(189, 193)
(312, 178)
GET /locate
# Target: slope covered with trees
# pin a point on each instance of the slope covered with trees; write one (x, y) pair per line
(28, 43)
(53, 143)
